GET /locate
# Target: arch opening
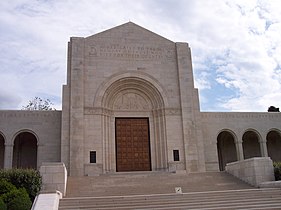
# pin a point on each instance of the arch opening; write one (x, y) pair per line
(273, 144)
(2, 150)
(226, 149)
(25, 151)
(134, 97)
(251, 145)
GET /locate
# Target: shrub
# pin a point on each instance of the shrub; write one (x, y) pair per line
(29, 179)
(17, 199)
(3, 206)
(277, 170)
(5, 186)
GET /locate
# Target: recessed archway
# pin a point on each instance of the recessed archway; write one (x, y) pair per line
(2, 150)
(25, 151)
(226, 149)
(134, 97)
(251, 145)
(273, 144)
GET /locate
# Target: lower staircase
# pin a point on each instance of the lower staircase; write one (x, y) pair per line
(217, 190)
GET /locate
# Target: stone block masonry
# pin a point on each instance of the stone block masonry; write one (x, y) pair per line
(54, 177)
(253, 171)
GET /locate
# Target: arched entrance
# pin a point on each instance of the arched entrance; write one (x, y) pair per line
(2, 150)
(140, 98)
(25, 151)
(251, 145)
(273, 144)
(226, 149)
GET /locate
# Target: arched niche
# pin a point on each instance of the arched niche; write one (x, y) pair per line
(25, 150)
(251, 144)
(273, 143)
(226, 149)
(133, 97)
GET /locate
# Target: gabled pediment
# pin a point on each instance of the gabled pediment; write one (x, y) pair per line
(129, 31)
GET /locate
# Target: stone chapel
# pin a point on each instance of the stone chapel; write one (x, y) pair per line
(129, 104)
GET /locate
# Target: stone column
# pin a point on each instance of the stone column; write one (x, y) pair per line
(239, 149)
(263, 147)
(8, 156)
(40, 152)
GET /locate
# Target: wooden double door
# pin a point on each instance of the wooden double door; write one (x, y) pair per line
(132, 144)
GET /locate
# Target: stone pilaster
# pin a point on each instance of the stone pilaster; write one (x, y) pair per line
(189, 105)
(77, 107)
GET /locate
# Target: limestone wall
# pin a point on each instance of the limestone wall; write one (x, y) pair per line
(236, 123)
(253, 171)
(44, 125)
(54, 177)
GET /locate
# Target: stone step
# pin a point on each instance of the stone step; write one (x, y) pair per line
(247, 199)
(198, 202)
(156, 190)
(150, 183)
(210, 195)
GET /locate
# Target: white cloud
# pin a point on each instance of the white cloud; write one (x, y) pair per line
(236, 44)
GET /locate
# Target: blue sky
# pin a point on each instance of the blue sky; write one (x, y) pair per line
(236, 45)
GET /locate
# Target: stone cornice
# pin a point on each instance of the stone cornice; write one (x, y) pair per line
(105, 111)
(26, 113)
(255, 115)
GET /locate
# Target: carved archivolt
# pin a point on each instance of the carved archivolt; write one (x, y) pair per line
(138, 82)
(132, 94)
(131, 101)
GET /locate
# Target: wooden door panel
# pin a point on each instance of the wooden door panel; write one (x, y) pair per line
(132, 144)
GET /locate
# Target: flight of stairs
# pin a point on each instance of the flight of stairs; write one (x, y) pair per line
(157, 191)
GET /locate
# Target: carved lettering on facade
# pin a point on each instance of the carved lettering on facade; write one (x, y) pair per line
(138, 52)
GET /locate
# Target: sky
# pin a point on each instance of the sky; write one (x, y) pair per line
(236, 46)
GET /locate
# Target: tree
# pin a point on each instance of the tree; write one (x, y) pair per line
(39, 104)
(273, 109)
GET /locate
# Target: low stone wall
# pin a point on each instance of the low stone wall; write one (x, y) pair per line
(253, 171)
(54, 177)
(47, 201)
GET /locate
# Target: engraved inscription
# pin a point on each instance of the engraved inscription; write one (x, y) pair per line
(141, 52)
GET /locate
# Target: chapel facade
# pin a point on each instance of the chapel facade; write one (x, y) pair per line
(130, 104)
